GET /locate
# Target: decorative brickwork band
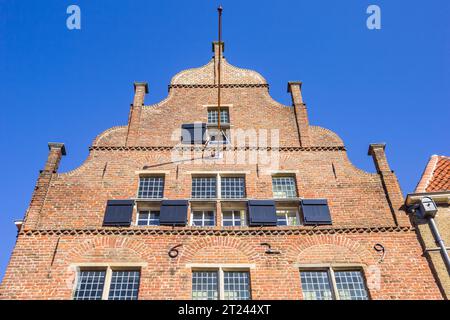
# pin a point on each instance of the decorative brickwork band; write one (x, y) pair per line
(212, 232)
(201, 148)
(214, 86)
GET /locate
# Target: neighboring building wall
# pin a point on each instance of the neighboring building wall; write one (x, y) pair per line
(436, 180)
(431, 249)
(63, 226)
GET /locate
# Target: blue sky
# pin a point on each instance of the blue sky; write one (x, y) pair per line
(389, 85)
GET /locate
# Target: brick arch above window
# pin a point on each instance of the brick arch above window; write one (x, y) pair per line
(231, 250)
(108, 249)
(333, 249)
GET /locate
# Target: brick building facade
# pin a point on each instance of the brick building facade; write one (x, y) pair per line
(306, 224)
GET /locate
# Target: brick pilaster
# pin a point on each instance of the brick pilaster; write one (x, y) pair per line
(391, 186)
(56, 151)
(140, 90)
(300, 112)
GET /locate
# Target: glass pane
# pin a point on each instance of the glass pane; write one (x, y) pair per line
(233, 187)
(292, 218)
(90, 285)
(350, 285)
(124, 285)
(236, 285)
(281, 218)
(315, 285)
(208, 218)
(204, 285)
(213, 116)
(284, 187)
(204, 187)
(151, 187)
(146, 218)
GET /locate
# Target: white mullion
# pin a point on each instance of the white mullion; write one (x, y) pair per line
(221, 284)
(107, 285)
(219, 186)
(333, 283)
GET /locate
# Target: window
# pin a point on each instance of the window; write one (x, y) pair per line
(350, 285)
(107, 284)
(213, 116)
(234, 218)
(284, 187)
(124, 285)
(151, 187)
(148, 218)
(288, 218)
(90, 285)
(330, 284)
(232, 187)
(203, 219)
(204, 285)
(220, 284)
(204, 187)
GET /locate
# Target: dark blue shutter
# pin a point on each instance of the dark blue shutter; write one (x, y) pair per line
(193, 133)
(315, 211)
(118, 213)
(262, 213)
(173, 212)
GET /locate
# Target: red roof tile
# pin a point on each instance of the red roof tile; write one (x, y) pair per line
(436, 176)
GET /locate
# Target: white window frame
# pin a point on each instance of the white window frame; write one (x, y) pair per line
(243, 217)
(221, 269)
(151, 175)
(286, 216)
(218, 177)
(108, 269)
(149, 210)
(203, 217)
(215, 108)
(278, 176)
(330, 270)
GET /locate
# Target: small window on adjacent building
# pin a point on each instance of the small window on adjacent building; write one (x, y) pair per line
(288, 218)
(203, 219)
(284, 187)
(151, 187)
(233, 285)
(319, 284)
(108, 284)
(232, 187)
(213, 115)
(148, 218)
(204, 187)
(234, 218)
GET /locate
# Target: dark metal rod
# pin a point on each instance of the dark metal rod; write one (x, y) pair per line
(440, 243)
(219, 9)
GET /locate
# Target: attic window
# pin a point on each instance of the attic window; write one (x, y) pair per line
(213, 115)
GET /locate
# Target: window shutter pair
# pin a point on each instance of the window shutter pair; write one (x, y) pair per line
(263, 212)
(193, 133)
(119, 213)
